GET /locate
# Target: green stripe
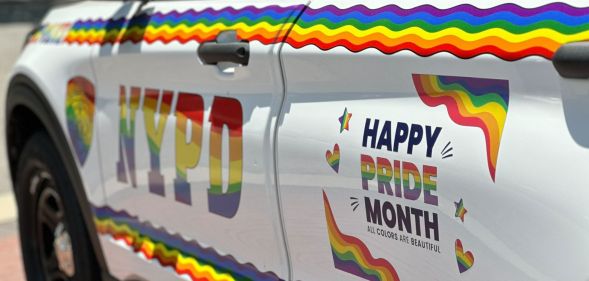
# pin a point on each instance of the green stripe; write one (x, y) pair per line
(508, 26)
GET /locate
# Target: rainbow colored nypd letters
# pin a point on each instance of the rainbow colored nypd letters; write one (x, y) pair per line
(507, 31)
(352, 256)
(185, 257)
(472, 102)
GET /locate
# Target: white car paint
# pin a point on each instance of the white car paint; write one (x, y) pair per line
(524, 221)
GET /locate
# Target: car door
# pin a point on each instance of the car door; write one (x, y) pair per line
(187, 99)
(433, 141)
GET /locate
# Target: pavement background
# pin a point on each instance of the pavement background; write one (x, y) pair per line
(10, 256)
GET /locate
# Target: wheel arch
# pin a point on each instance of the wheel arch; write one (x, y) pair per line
(28, 110)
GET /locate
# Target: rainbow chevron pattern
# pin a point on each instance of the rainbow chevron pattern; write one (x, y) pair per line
(79, 107)
(185, 257)
(473, 102)
(464, 259)
(507, 31)
(351, 255)
(253, 24)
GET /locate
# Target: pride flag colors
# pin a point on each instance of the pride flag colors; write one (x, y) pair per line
(265, 25)
(352, 256)
(472, 102)
(507, 31)
(185, 257)
(79, 107)
(465, 260)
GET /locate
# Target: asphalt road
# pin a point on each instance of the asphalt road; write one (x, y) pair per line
(10, 257)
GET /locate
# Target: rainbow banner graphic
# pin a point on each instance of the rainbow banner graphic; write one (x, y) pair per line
(184, 257)
(266, 25)
(472, 102)
(507, 31)
(351, 255)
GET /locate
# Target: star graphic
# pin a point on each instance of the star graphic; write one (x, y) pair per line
(344, 121)
(460, 210)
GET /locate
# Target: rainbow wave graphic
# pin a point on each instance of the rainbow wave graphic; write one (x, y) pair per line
(184, 257)
(507, 31)
(267, 25)
(79, 108)
(472, 102)
(351, 255)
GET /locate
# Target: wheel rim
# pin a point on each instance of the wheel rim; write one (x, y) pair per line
(54, 244)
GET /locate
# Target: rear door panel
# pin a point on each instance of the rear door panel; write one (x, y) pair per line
(461, 178)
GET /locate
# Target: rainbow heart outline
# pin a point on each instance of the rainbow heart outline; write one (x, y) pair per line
(465, 260)
(333, 158)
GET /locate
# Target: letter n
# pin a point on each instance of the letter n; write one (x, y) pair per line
(128, 108)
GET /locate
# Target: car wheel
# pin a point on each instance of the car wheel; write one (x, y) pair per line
(54, 240)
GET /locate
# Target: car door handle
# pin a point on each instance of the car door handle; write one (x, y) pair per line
(225, 48)
(572, 60)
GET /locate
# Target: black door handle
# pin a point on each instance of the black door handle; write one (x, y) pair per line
(226, 48)
(572, 60)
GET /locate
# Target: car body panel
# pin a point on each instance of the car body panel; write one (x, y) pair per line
(518, 223)
(473, 172)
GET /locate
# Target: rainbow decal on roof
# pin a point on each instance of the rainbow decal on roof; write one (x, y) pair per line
(472, 102)
(507, 31)
(79, 107)
(251, 23)
(184, 257)
(351, 255)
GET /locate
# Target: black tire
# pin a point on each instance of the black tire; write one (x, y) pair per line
(46, 202)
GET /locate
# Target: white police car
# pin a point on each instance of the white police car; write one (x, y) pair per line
(303, 140)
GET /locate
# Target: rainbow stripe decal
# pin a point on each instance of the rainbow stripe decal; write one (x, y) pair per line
(352, 256)
(507, 31)
(185, 257)
(79, 107)
(253, 24)
(473, 102)
(465, 260)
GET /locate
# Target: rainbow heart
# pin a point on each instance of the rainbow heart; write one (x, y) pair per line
(333, 158)
(79, 108)
(465, 259)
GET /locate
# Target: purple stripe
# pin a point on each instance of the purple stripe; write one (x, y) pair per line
(464, 8)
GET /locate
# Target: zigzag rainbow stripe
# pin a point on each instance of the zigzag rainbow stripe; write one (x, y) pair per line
(507, 31)
(253, 24)
(352, 256)
(185, 257)
(473, 102)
